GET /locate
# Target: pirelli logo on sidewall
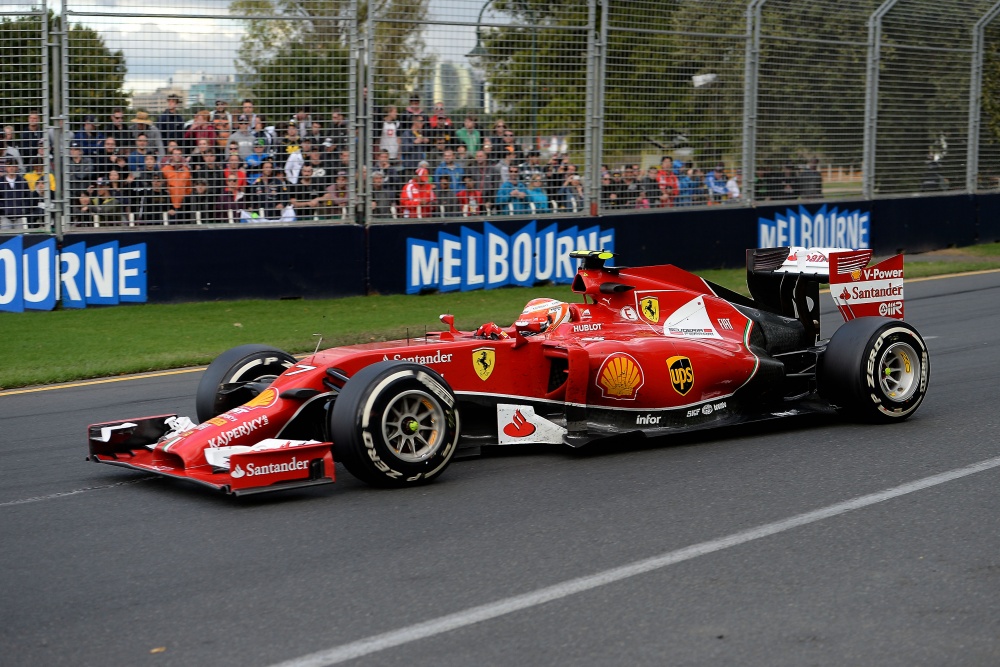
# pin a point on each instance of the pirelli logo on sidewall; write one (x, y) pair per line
(681, 374)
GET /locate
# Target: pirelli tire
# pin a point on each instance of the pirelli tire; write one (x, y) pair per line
(253, 363)
(875, 369)
(395, 424)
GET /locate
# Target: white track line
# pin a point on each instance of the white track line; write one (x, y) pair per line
(466, 617)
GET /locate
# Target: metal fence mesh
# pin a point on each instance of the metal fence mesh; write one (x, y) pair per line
(24, 79)
(488, 99)
(924, 96)
(236, 110)
(811, 99)
(987, 177)
(575, 106)
(673, 86)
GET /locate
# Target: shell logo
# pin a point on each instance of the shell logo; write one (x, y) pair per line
(620, 377)
(856, 274)
(264, 399)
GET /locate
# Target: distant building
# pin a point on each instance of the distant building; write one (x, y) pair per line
(156, 102)
(211, 88)
(454, 84)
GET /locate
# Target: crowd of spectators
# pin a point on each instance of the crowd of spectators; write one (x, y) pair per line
(230, 165)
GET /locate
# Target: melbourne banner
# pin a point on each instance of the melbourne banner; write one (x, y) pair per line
(40, 276)
(826, 228)
(473, 260)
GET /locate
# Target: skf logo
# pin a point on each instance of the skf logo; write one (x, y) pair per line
(681, 374)
(649, 306)
(620, 377)
(483, 360)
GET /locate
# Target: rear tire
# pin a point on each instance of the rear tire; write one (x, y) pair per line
(875, 369)
(395, 424)
(245, 364)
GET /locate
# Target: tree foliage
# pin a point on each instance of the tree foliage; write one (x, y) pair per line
(297, 52)
(98, 74)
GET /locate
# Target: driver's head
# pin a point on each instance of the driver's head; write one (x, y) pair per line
(549, 313)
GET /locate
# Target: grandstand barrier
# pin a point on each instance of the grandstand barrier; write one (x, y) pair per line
(245, 262)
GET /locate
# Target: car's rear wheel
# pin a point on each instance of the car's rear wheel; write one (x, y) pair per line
(875, 369)
(395, 424)
(237, 376)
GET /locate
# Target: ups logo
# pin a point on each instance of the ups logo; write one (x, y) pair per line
(681, 374)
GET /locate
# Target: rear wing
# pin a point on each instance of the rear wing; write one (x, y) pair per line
(860, 290)
(786, 281)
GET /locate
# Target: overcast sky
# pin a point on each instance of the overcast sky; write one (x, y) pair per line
(159, 48)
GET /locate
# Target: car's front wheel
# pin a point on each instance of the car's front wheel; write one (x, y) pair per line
(395, 424)
(875, 369)
(237, 376)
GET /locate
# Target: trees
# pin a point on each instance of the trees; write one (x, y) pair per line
(98, 73)
(297, 52)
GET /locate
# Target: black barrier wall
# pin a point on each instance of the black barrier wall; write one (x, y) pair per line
(344, 260)
(249, 263)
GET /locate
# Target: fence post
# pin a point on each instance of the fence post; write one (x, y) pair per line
(976, 98)
(752, 67)
(871, 98)
(595, 101)
(359, 110)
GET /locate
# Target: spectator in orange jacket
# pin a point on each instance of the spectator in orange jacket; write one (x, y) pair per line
(418, 195)
(178, 177)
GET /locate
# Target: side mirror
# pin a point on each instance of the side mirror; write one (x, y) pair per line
(450, 321)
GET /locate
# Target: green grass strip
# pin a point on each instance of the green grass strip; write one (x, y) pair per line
(64, 345)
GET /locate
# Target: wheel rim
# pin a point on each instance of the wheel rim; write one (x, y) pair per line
(412, 426)
(899, 372)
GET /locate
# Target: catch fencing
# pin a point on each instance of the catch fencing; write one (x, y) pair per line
(590, 108)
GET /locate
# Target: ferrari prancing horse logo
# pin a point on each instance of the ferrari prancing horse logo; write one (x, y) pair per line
(649, 306)
(483, 360)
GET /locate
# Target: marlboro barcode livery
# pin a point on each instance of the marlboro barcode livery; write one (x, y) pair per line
(648, 352)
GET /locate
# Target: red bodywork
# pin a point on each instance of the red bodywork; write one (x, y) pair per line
(652, 350)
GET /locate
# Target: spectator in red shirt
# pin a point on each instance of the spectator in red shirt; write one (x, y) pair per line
(470, 199)
(667, 181)
(417, 198)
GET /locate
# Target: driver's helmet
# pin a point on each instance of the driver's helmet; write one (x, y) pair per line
(549, 313)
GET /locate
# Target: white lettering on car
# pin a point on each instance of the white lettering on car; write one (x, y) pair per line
(255, 469)
(246, 428)
(436, 358)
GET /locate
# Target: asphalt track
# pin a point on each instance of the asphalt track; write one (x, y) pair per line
(813, 543)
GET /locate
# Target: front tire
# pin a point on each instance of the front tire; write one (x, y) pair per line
(236, 376)
(395, 424)
(875, 369)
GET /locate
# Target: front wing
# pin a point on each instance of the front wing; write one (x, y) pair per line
(271, 465)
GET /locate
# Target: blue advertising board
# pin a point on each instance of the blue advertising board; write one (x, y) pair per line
(484, 257)
(824, 228)
(40, 276)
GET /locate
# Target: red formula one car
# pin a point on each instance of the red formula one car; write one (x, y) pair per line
(649, 352)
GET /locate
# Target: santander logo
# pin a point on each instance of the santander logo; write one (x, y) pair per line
(519, 427)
